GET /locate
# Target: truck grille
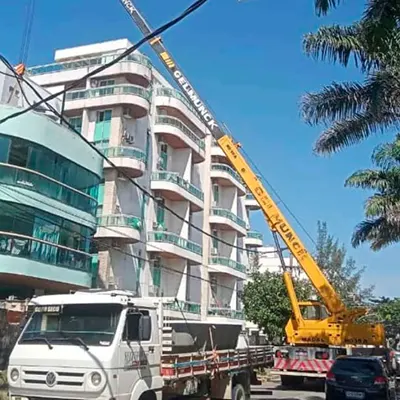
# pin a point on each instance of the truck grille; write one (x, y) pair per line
(62, 378)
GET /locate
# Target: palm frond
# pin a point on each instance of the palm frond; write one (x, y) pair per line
(382, 14)
(369, 179)
(337, 44)
(323, 6)
(387, 155)
(350, 131)
(339, 101)
(378, 232)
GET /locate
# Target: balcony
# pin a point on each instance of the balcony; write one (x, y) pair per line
(171, 186)
(254, 239)
(136, 98)
(251, 203)
(224, 175)
(176, 309)
(172, 245)
(136, 65)
(34, 262)
(178, 135)
(24, 178)
(225, 265)
(124, 228)
(174, 99)
(130, 159)
(227, 220)
(225, 312)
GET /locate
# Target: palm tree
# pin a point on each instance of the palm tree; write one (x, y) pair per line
(382, 210)
(353, 111)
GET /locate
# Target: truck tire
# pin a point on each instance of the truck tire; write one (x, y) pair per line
(291, 381)
(238, 392)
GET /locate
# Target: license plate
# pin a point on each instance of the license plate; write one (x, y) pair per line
(355, 395)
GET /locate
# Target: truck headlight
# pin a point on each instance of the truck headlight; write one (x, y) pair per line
(95, 378)
(14, 374)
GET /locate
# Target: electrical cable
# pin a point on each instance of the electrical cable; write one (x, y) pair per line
(254, 165)
(92, 240)
(122, 172)
(197, 4)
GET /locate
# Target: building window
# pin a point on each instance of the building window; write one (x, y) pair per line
(19, 152)
(215, 240)
(160, 212)
(102, 128)
(215, 195)
(107, 82)
(76, 123)
(163, 160)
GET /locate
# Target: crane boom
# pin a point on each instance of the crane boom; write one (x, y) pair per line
(274, 216)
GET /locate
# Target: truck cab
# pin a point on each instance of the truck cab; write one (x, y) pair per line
(79, 346)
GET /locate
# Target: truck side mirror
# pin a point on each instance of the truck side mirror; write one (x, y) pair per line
(144, 327)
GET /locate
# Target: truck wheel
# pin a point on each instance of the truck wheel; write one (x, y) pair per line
(238, 392)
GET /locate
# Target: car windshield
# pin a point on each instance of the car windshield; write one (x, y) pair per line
(73, 324)
(356, 367)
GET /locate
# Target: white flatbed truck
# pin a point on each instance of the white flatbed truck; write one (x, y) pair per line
(110, 346)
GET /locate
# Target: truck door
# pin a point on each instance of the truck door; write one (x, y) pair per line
(137, 355)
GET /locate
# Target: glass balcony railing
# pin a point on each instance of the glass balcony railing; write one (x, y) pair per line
(184, 306)
(225, 312)
(227, 262)
(121, 220)
(228, 169)
(175, 178)
(166, 120)
(87, 62)
(255, 235)
(175, 239)
(168, 92)
(45, 252)
(36, 182)
(124, 151)
(108, 91)
(221, 212)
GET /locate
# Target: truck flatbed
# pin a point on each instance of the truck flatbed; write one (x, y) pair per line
(176, 366)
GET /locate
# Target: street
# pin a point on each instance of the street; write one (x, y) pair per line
(309, 391)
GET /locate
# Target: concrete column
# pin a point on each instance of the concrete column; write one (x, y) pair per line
(105, 272)
(205, 276)
(116, 127)
(110, 191)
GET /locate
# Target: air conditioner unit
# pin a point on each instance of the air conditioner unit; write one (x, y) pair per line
(214, 251)
(127, 113)
(155, 225)
(94, 83)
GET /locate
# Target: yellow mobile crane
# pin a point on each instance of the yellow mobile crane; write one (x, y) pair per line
(316, 333)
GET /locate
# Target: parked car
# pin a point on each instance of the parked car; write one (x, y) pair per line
(361, 378)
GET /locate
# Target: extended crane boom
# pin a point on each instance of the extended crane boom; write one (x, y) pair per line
(275, 218)
(335, 329)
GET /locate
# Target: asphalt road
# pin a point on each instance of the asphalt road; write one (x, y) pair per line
(273, 391)
(309, 391)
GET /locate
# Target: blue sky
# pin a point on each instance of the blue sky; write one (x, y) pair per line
(246, 60)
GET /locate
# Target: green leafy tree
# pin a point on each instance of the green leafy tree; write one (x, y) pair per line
(265, 298)
(381, 226)
(341, 271)
(387, 311)
(266, 303)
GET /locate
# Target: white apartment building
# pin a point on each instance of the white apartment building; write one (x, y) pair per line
(150, 131)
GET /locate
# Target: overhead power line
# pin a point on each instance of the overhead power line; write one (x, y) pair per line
(121, 171)
(197, 4)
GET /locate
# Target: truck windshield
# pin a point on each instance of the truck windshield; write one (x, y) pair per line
(73, 324)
